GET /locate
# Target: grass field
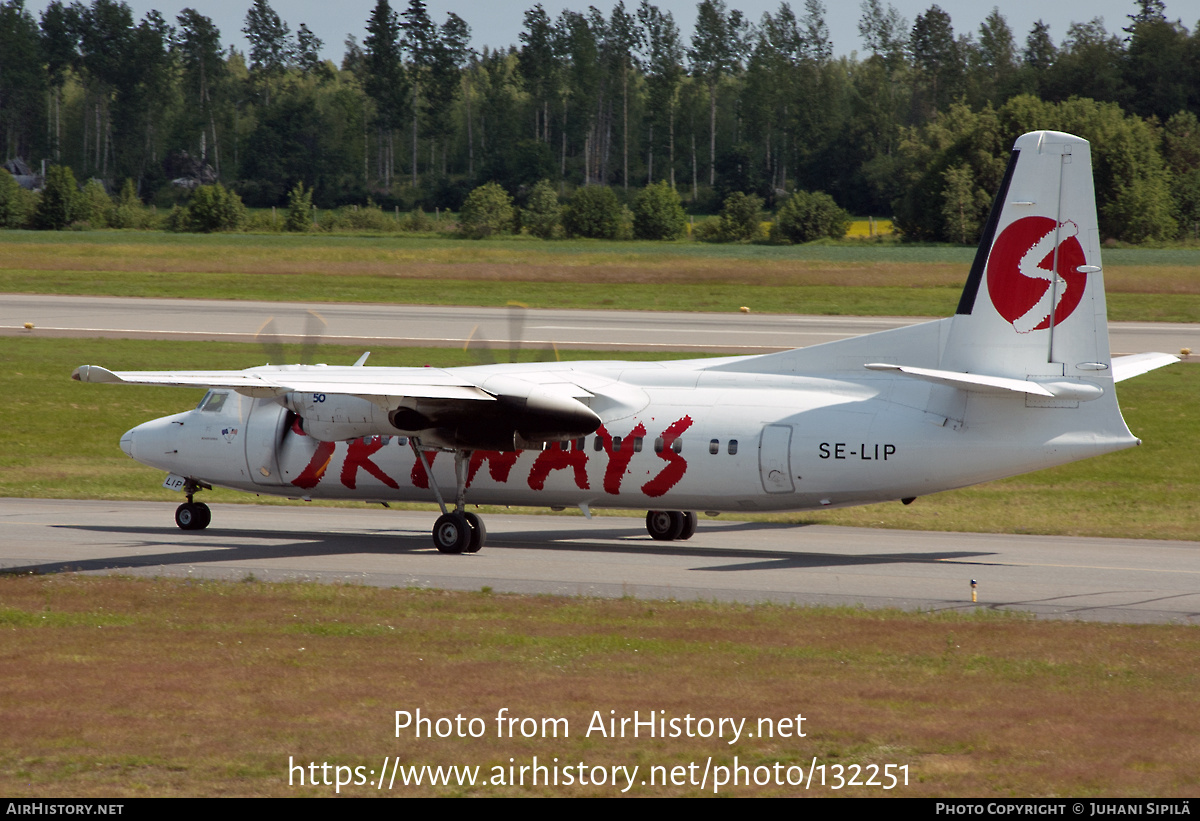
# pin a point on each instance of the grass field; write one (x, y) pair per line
(125, 688)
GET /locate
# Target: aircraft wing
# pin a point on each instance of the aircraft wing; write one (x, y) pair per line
(472, 408)
(277, 382)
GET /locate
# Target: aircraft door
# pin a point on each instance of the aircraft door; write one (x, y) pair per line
(774, 459)
(264, 432)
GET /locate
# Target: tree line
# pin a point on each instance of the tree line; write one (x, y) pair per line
(917, 126)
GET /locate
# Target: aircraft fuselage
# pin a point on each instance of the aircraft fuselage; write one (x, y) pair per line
(726, 442)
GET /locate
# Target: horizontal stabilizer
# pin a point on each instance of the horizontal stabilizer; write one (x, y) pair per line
(980, 383)
(1127, 367)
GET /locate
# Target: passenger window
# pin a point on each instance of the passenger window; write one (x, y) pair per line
(637, 444)
(658, 445)
(714, 446)
(598, 445)
(732, 447)
(616, 444)
(677, 446)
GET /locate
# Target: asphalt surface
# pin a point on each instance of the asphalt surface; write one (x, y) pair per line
(1117, 580)
(368, 325)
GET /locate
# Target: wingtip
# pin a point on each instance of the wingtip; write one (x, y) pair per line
(94, 373)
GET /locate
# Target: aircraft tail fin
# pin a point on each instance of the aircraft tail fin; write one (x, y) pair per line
(1034, 302)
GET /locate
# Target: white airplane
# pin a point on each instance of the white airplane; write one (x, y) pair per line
(1019, 379)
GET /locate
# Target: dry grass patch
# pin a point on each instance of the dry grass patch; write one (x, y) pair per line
(133, 687)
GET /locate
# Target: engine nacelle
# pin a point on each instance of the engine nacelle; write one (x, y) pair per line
(337, 417)
(522, 415)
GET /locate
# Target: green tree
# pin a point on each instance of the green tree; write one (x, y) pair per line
(60, 195)
(386, 82)
(13, 204)
(1156, 64)
(93, 205)
(1089, 64)
(22, 81)
(1181, 150)
(487, 211)
(658, 213)
(451, 51)
(1142, 210)
(663, 62)
(593, 212)
(542, 215)
(807, 216)
(885, 33)
(740, 217)
(308, 54)
(539, 67)
(420, 40)
(60, 50)
(1037, 58)
(271, 50)
(717, 46)
(198, 46)
(129, 211)
(995, 69)
(299, 215)
(963, 205)
(959, 137)
(215, 208)
(936, 56)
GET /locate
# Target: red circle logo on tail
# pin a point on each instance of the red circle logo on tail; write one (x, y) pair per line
(1020, 266)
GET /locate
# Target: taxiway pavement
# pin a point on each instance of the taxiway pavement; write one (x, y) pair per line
(1118, 580)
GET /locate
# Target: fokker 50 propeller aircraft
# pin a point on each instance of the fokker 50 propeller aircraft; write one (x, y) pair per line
(1019, 379)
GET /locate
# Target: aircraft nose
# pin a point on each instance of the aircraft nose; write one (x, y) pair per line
(153, 443)
(127, 442)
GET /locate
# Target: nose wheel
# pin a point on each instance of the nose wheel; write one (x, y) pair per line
(193, 516)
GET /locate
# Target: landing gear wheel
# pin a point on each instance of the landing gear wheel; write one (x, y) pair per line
(689, 525)
(193, 516)
(451, 533)
(478, 533)
(664, 525)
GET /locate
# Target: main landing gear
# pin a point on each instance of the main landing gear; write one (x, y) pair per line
(455, 531)
(459, 533)
(192, 515)
(670, 525)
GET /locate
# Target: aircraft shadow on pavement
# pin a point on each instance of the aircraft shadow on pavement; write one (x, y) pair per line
(229, 545)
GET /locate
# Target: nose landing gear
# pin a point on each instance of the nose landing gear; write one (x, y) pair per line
(192, 515)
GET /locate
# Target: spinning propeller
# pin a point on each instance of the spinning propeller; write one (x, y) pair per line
(272, 341)
(485, 352)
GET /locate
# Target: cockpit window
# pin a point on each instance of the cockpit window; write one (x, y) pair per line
(215, 401)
